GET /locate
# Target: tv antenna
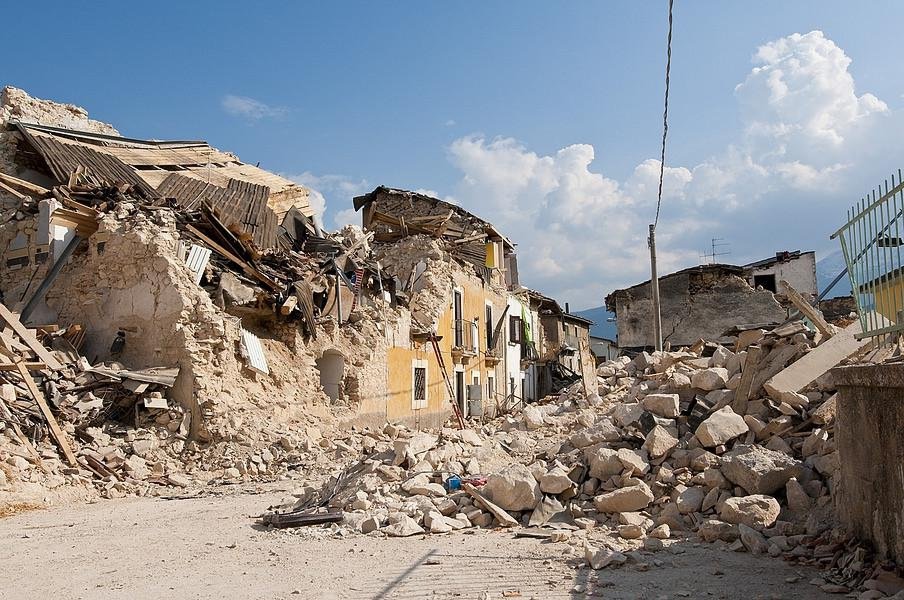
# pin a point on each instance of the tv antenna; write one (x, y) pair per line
(715, 250)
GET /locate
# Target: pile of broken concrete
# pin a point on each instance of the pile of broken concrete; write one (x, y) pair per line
(668, 447)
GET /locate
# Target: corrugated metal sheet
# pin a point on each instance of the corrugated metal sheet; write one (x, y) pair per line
(152, 161)
(239, 205)
(197, 261)
(254, 352)
(63, 159)
(187, 191)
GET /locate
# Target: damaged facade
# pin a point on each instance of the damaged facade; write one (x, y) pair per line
(474, 333)
(174, 258)
(162, 325)
(705, 301)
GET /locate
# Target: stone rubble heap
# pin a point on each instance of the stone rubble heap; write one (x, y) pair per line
(663, 450)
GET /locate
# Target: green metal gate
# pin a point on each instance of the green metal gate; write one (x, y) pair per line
(871, 241)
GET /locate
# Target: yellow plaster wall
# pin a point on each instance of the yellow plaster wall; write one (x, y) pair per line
(889, 297)
(400, 359)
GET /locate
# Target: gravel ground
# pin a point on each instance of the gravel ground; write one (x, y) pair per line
(209, 547)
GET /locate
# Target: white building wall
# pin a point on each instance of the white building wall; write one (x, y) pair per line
(530, 374)
(513, 353)
(799, 272)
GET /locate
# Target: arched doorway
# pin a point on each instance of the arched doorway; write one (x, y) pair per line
(332, 368)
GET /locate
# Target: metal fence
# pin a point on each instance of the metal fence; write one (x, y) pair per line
(871, 241)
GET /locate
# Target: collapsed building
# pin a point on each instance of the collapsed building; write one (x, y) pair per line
(168, 287)
(705, 301)
(476, 335)
(163, 324)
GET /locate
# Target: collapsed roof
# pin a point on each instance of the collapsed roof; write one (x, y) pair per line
(438, 217)
(247, 197)
(549, 306)
(393, 214)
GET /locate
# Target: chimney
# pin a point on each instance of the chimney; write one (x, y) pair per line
(567, 311)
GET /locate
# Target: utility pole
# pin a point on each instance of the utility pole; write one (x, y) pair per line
(654, 287)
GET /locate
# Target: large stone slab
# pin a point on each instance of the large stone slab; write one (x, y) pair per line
(759, 470)
(513, 488)
(721, 427)
(820, 359)
(626, 499)
(757, 511)
(664, 405)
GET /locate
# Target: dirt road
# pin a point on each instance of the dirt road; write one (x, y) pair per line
(204, 548)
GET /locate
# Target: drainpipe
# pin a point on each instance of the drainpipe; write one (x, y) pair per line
(50, 278)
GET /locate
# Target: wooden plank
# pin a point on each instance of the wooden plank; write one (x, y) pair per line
(807, 310)
(505, 519)
(32, 366)
(24, 185)
(15, 193)
(289, 305)
(38, 397)
(29, 338)
(751, 367)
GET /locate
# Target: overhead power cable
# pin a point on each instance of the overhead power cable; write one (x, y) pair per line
(665, 116)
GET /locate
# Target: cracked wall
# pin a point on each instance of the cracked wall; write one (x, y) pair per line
(693, 306)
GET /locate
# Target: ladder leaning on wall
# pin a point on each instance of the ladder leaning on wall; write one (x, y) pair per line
(456, 410)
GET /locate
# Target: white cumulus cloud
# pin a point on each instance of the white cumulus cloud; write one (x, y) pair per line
(250, 109)
(805, 130)
(336, 191)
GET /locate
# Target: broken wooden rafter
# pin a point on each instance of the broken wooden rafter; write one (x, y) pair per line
(31, 366)
(28, 186)
(12, 191)
(807, 310)
(27, 336)
(246, 267)
(289, 305)
(471, 238)
(55, 430)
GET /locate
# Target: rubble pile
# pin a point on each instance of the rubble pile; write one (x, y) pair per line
(665, 449)
(128, 428)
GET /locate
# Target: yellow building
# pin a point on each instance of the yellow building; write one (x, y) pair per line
(418, 391)
(888, 294)
(472, 327)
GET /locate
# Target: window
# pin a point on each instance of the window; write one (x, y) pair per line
(767, 281)
(457, 316)
(489, 326)
(419, 385)
(460, 391)
(516, 330)
(491, 387)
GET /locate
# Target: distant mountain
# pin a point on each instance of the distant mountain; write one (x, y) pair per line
(601, 326)
(827, 268)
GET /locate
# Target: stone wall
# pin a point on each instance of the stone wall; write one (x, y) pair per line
(693, 306)
(869, 433)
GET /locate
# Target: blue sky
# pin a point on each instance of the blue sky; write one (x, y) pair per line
(539, 116)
